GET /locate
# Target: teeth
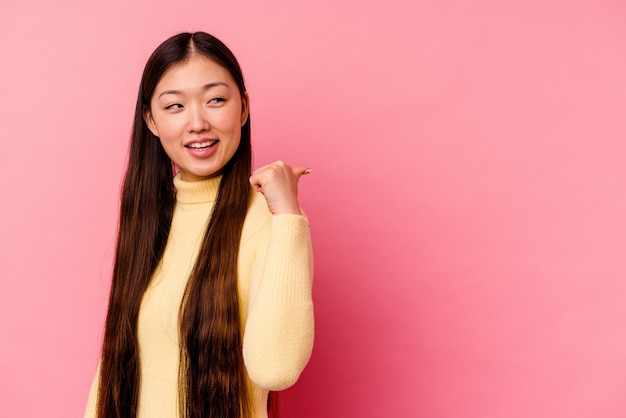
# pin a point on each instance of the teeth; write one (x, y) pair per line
(201, 144)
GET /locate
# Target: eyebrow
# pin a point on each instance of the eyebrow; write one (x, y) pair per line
(205, 87)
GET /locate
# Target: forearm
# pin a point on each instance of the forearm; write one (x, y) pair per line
(279, 332)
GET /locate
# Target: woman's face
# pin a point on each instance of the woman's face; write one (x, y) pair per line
(197, 112)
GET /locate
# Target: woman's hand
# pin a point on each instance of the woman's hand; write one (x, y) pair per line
(278, 182)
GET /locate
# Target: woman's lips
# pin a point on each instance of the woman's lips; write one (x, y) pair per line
(202, 149)
(204, 144)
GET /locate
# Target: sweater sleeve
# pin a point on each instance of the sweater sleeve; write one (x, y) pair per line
(278, 335)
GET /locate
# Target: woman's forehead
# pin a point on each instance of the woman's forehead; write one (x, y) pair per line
(196, 73)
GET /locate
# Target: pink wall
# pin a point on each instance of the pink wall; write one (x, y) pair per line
(468, 203)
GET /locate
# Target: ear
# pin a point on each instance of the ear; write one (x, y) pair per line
(147, 117)
(245, 108)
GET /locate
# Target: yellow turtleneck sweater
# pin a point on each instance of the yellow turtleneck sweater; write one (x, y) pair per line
(275, 272)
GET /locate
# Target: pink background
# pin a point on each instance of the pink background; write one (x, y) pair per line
(468, 200)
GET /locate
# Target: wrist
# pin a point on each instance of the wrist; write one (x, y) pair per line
(290, 206)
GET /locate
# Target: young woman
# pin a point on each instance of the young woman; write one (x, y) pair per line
(210, 305)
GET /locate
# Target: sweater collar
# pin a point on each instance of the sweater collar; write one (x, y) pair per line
(203, 191)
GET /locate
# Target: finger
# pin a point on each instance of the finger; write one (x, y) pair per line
(300, 171)
(255, 182)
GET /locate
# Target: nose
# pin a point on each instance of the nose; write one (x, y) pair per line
(197, 120)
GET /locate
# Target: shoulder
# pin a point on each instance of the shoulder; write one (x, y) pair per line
(258, 217)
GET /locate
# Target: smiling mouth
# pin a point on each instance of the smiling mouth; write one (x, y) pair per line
(201, 145)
